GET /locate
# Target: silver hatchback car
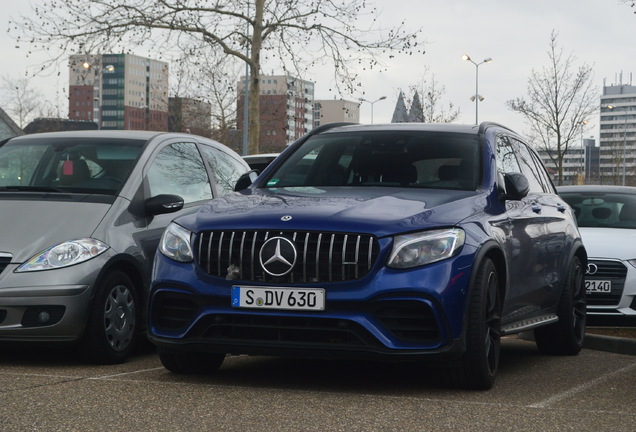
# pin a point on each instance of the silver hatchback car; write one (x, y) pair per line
(81, 215)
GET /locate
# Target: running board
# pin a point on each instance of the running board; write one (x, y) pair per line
(528, 324)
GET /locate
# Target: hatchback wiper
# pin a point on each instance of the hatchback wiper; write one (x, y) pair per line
(32, 189)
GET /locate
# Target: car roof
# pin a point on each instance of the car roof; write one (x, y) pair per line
(597, 188)
(416, 127)
(113, 134)
(261, 156)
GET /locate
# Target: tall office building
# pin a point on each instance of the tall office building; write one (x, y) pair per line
(119, 91)
(618, 134)
(286, 110)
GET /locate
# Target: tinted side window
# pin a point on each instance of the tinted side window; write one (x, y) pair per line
(178, 169)
(226, 169)
(529, 167)
(548, 185)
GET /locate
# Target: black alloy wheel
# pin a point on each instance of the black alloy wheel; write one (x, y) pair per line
(478, 366)
(566, 336)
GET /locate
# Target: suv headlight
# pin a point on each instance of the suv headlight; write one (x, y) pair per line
(175, 243)
(417, 249)
(65, 254)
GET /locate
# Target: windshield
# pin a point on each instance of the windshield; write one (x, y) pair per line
(387, 158)
(90, 165)
(599, 209)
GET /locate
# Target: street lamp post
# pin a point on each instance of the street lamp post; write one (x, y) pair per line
(98, 86)
(477, 97)
(582, 124)
(612, 107)
(372, 102)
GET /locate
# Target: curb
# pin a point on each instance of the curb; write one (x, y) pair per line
(611, 344)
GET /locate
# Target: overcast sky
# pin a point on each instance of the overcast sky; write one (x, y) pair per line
(514, 34)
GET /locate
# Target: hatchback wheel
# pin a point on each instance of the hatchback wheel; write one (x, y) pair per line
(112, 323)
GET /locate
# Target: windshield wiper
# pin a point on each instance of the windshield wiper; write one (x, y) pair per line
(32, 189)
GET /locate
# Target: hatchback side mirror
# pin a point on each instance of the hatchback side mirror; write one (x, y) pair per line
(245, 180)
(161, 204)
(516, 186)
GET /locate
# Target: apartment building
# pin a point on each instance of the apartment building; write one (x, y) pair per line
(335, 110)
(119, 91)
(286, 110)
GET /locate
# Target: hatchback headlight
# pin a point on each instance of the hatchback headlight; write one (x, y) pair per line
(65, 254)
(417, 249)
(175, 243)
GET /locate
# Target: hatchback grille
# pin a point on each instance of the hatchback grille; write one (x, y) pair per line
(5, 260)
(320, 257)
(607, 270)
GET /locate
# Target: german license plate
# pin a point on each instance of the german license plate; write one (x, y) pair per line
(278, 298)
(598, 286)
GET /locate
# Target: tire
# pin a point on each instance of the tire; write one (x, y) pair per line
(566, 336)
(112, 323)
(478, 366)
(185, 362)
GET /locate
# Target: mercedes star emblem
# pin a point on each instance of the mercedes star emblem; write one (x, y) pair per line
(278, 256)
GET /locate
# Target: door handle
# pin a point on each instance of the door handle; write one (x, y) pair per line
(561, 207)
(536, 208)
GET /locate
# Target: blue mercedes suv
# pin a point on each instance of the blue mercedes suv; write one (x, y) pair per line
(397, 242)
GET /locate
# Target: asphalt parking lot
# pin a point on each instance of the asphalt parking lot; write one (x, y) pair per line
(51, 391)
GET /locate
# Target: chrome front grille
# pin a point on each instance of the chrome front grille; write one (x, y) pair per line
(608, 269)
(321, 257)
(613, 271)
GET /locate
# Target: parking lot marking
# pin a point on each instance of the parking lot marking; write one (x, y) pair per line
(582, 387)
(103, 377)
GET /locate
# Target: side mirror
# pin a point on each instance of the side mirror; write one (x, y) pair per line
(246, 180)
(516, 186)
(161, 204)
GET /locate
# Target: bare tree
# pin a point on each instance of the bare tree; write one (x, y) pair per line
(211, 79)
(294, 33)
(560, 97)
(21, 100)
(434, 108)
(631, 3)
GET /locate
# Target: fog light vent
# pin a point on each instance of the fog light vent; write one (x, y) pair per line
(40, 316)
(3, 315)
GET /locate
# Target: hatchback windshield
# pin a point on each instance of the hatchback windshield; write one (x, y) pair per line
(600, 209)
(404, 159)
(95, 165)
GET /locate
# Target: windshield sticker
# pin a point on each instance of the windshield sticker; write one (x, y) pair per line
(273, 182)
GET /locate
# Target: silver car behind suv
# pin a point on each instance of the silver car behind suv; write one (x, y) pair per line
(81, 215)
